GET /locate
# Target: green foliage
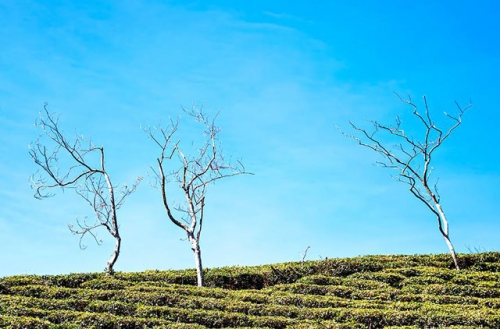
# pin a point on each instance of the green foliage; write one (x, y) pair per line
(403, 292)
(22, 322)
(106, 283)
(392, 279)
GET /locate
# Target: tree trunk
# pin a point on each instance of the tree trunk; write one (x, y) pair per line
(114, 257)
(197, 259)
(452, 251)
(446, 234)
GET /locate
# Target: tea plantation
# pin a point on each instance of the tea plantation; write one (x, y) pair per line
(365, 292)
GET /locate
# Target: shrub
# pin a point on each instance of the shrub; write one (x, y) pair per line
(112, 307)
(235, 278)
(23, 322)
(422, 280)
(213, 319)
(182, 277)
(71, 280)
(312, 289)
(21, 280)
(320, 279)
(392, 279)
(106, 283)
(308, 301)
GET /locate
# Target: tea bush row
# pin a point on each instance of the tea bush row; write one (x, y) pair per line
(294, 294)
(83, 319)
(247, 314)
(258, 277)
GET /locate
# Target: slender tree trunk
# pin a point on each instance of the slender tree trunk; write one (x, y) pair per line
(452, 251)
(445, 231)
(114, 257)
(114, 223)
(197, 259)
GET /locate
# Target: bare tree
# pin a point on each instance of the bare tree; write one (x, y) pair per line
(193, 176)
(412, 158)
(304, 254)
(84, 173)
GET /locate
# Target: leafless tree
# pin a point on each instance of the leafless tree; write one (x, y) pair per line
(412, 158)
(193, 174)
(84, 173)
(304, 254)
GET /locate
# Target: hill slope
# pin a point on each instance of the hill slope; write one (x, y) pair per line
(364, 292)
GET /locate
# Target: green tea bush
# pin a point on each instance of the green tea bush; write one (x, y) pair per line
(235, 278)
(153, 298)
(23, 322)
(312, 289)
(109, 321)
(387, 294)
(271, 322)
(320, 279)
(441, 273)
(345, 267)
(493, 303)
(422, 280)
(21, 280)
(71, 280)
(307, 301)
(392, 279)
(449, 299)
(363, 284)
(252, 296)
(371, 318)
(44, 303)
(454, 290)
(183, 277)
(180, 290)
(212, 319)
(181, 326)
(486, 267)
(111, 307)
(61, 293)
(106, 283)
(456, 316)
(327, 324)
(407, 272)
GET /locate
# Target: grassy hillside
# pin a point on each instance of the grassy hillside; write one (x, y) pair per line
(363, 292)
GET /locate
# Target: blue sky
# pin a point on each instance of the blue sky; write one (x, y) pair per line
(282, 74)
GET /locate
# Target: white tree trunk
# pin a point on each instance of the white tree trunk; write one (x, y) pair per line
(444, 229)
(195, 246)
(452, 251)
(114, 257)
